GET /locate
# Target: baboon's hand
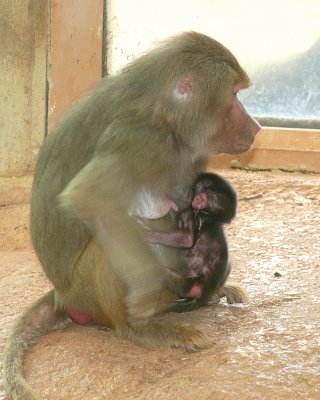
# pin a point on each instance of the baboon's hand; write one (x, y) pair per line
(234, 292)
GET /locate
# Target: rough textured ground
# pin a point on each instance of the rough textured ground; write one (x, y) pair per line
(268, 349)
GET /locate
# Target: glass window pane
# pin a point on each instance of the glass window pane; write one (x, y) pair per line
(278, 43)
(287, 93)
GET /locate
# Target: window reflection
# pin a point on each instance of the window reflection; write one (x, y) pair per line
(287, 94)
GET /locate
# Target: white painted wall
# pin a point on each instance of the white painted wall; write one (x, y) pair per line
(256, 31)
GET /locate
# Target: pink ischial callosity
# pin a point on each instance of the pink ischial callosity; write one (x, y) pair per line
(80, 318)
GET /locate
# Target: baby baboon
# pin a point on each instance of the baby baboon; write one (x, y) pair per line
(204, 267)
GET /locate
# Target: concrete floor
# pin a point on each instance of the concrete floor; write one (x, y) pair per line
(267, 349)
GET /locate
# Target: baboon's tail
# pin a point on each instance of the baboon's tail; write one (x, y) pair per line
(39, 319)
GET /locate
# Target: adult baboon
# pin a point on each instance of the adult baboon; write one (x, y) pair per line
(145, 133)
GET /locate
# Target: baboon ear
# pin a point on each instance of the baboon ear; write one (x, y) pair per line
(184, 89)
